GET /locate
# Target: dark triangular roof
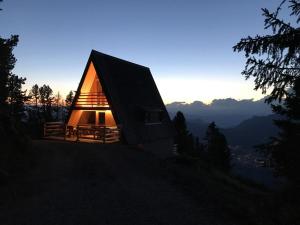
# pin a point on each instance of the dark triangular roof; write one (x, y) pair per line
(130, 91)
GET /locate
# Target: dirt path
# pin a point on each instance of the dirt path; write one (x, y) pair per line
(80, 183)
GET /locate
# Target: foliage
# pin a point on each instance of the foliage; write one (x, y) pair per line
(7, 63)
(217, 149)
(46, 100)
(69, 98)
(15, 153)
(34, 92)
(11, 93)
(16, 97)
(184, 139)
(36, 117)
(274, 62)
(285, 148)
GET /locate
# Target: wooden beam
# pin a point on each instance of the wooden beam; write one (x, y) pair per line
(91, 108)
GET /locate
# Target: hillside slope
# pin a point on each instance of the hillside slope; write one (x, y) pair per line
(254, 131)
(81, 183)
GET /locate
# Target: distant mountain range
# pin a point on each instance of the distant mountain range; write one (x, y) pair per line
(250, 132)
(254, 131)
(244, 123)
(224, 112)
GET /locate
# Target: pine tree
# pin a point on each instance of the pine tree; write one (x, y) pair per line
(184, 139)
(217, 149)
(16, 96)
(7, 63)
(285, 149)
(274, 62)
(46, 100)
(69, 98)
(34, 92)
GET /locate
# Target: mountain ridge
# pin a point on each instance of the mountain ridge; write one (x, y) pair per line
(225, 112)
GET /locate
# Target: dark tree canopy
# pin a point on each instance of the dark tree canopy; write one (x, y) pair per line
(16, 96)
(7, 63)
(274, 60)
(183, 138)
(285, 149)
(11, 93)
(217, 149)
(69, 98)
(46, 100)
(34, 92)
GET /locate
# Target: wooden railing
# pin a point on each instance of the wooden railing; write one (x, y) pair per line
(92, 99)
(54, 129)
(101, 133)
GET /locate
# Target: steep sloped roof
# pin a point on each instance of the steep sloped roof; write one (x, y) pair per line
(130, 91)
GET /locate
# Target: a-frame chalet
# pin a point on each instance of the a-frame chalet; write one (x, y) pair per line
(121, 98)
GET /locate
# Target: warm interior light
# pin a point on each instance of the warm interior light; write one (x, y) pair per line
(88, 83)
(91, 96)
(78, 117)
(75, 117)
(91, 93)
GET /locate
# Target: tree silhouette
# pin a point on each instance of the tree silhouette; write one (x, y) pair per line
(183, 139)
(285, 148)
(57, 102)
(274, 62)
(69, 98)
(34, 92)
(217, 148)
(46, 100)
(7, 63)
(16, 96)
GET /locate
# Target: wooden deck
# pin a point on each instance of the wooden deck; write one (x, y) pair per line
(83, 133)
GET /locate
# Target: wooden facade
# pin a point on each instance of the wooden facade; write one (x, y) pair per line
(118, 100)
(91, 116)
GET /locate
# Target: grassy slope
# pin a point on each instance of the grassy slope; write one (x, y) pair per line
(231, 197)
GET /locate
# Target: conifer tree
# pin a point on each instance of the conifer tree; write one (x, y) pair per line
(16, 96)
(69, 98)
(46, 100)
(184, 139)
(274, 62)
(217, 149)
(34, 92)
(7, 63)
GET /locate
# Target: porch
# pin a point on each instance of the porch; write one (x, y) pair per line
(83, 132)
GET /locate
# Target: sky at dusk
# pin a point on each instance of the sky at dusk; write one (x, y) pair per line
(187, 44)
